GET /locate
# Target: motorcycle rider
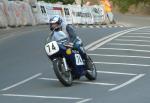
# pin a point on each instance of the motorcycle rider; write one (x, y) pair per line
(63, 31)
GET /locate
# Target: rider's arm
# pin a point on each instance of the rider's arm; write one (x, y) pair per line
(72, 34)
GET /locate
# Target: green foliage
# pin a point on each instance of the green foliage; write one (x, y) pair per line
(125, 4)
(68, 1)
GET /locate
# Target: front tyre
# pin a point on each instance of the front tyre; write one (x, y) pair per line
(91, 71)
(65, 77)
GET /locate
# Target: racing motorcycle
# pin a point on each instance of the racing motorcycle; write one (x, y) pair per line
(68, 64)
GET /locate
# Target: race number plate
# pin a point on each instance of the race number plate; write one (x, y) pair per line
(51, 48)
(79, 60)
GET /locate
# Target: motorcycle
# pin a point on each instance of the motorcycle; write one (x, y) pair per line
(68, 64)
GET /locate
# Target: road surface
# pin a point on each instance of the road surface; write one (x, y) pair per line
(121, 55)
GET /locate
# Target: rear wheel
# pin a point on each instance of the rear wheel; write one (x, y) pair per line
(91, 72)
(65, 77)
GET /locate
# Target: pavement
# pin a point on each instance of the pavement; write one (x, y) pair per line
(130, 20)
(121, 55)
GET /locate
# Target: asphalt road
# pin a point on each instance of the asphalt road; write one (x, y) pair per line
(121, 56)
(132, 20)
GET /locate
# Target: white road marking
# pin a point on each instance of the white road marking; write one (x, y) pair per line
(96, 42)
(122, 25)
(128, 64)
(132, 40)
(104, 38)
(91, 27)
(85, 100)
(136, 37)
(22, 82)
(108, 72)
(139, 33)
(122, 49)
(104, 26)
(84, 26)
(115, 35)
(138, 45)
(97, 83)
(45, 97)
(97, 26)
(116, 26)
(109, 26)
(123, 56)
(127, 83)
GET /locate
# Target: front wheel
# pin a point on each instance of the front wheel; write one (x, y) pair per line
(91, 71)
(65, 77)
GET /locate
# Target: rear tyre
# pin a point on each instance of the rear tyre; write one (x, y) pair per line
(65, 77)
(91, 72)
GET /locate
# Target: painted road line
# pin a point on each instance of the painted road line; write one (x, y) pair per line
(122, 49)
(43, 97)
(104, 38)
(103, 26)
(109, 26)
(122, 56)
(132, 40)
(91, 26)
(115, 36)
(22, 82)
(122, 26)
(84, 26)
(127, 64)
(122, 44)
(97, 26)
(85, 100)
(96, 42)
(118, 73)
(145, 37)
(115, 26)
(140, 33)
(96, 83)
(145, 30)
(127, 83)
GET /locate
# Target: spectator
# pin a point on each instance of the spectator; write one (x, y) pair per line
(108, 10)
(88, 3)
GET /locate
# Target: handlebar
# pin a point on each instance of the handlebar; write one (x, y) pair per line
(69, 45)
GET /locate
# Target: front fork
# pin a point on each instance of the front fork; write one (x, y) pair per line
(65, 64)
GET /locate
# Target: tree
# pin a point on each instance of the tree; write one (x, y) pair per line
(125, 4)
(68, 1)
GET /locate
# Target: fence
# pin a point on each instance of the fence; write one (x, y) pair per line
(3, 20)
(17, 13)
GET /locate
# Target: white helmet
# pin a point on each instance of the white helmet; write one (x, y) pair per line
(55, 19)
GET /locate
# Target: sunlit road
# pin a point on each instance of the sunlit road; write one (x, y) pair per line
(121, 55)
